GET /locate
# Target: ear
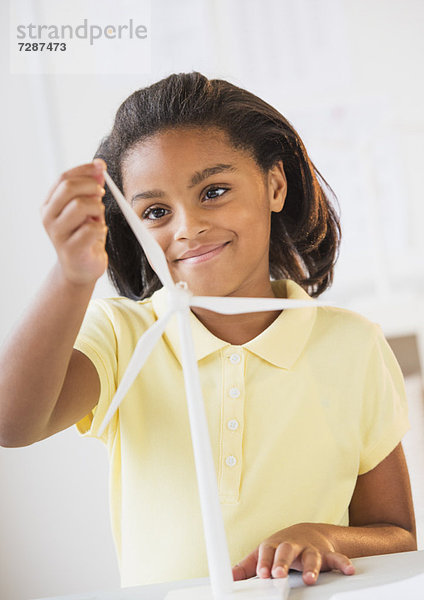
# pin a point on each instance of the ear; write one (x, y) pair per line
(277, 187)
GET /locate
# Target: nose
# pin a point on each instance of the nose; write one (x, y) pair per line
(190, 222)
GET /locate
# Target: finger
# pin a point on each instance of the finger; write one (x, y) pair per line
(85, 252)
(89, 232)
(247, 567)
(99, 166)
(94, 170)
(77, 212)
(91, 168)
(285, 554)
(67, 191)
(239, 573)
(311, 565)
(265, 559)
(335, 560)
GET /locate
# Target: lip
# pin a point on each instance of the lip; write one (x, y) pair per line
(202, 253)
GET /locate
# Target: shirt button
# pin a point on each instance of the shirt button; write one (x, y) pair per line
(235, 358)
(230, 461)
(233, 424)
(234, 392)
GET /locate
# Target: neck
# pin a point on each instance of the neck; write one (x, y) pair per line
(238, 329)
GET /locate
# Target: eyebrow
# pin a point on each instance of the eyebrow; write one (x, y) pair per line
(197, 177)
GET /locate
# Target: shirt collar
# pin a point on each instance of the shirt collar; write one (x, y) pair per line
(284, 340)
(280, 344)
(204, 341)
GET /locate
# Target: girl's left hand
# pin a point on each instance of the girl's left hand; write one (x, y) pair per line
(305, 547)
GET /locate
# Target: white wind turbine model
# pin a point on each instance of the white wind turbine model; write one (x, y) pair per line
(180, 299)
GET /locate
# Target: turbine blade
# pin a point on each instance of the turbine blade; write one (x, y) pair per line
(232, 305)
(150, 246)
(141, 353)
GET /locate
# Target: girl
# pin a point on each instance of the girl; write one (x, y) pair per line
(306, 408)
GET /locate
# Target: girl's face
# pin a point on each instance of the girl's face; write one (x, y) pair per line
(209, 206)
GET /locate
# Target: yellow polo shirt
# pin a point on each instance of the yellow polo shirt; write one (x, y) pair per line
(294, 416)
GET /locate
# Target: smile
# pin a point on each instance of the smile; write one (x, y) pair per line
(203, 255)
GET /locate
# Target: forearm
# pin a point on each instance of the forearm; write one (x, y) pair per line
(382, 517)
(35, 358)
(378, 538)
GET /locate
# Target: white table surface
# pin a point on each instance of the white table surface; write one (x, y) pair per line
(370, 570)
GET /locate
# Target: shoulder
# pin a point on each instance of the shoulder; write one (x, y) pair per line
(120, 312)
(346, 329)
(331, 328)
(345, 320)
(330, 319)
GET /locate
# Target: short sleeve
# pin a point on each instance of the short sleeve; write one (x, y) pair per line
(97, 340)
(385, 409)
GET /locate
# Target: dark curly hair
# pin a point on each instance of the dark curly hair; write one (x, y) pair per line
(305, 235)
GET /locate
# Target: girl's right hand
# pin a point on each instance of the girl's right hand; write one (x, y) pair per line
(73, 216)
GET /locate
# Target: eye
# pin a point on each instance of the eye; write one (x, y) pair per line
(154, 213)
(213, 190)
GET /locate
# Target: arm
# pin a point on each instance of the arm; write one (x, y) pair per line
(381, 512)
(45, 385)
(382, 521)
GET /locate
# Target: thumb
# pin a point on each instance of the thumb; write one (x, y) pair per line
(246, 568)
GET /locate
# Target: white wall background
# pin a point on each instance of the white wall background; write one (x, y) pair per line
(348, 74)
